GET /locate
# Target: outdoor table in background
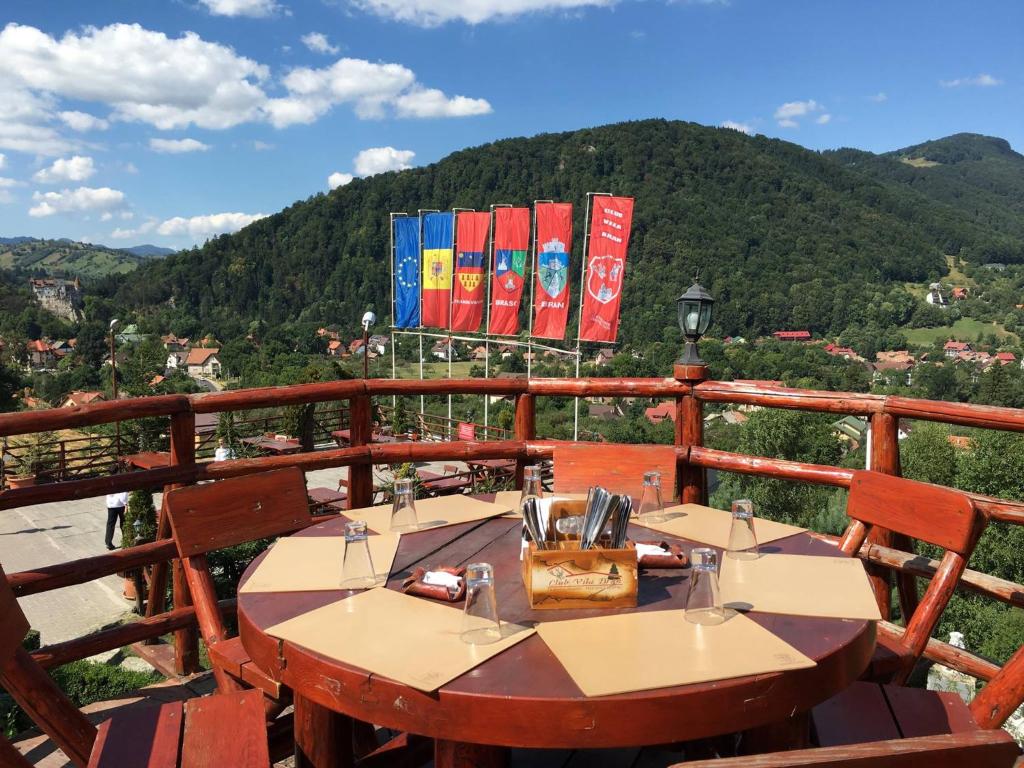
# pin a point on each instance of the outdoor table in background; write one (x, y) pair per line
(273, 445)
(440, 485)
(326, 501)
(148, 459)
(343, 437)
(524, 697)
(491, 468)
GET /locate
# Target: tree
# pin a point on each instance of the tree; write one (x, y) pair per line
(927, 455)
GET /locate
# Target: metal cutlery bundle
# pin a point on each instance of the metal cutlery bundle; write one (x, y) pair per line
(605, 515)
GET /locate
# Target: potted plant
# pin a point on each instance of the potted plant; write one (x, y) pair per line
(139, 528)
(35, 459)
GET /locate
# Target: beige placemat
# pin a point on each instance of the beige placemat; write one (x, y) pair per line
(657, 649)
(511, 499)
(408, 639)
(803, 585)
(711, 526)
(433, 513)
(313, 563)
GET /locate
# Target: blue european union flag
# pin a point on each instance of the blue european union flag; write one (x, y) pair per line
(407, 272)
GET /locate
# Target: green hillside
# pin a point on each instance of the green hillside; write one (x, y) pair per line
(67, 258)
(784, 237)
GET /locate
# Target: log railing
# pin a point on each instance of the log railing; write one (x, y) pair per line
(882, 552)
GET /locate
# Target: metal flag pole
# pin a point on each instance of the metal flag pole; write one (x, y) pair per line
(394, 301)
(579, 322)
(487, 327)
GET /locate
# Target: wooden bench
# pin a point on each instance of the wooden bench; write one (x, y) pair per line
(219, 730)
(934, 514)
(211, 731)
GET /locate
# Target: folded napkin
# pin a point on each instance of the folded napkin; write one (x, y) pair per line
(660, 554)
(444, 583)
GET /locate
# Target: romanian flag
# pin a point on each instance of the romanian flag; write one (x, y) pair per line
(511, 241)
(468, 287)
(437, 269)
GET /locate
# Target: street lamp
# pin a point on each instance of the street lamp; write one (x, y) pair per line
(694, 313)
(113, 384)
(368, 319)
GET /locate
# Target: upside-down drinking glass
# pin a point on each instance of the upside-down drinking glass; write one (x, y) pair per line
(480, 623)
(356, 564)
(403, 508)
(703, 601)
(652, 509)
(742, 537)
(532, 489)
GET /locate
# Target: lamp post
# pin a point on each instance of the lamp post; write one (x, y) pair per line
(368, 319)
(694, 314)
(113, 384)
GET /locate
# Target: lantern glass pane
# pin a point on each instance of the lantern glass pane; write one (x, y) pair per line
(705, 319)
(689, 316)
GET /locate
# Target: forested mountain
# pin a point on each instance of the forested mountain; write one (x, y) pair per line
(783, 237)
(148, 250)
(66, 258)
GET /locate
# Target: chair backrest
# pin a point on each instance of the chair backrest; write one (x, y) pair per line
(1002, 694)
(619, 468)
(229, 512)
(941, 516)
(977, 749)
(225, 513)
(36, 693)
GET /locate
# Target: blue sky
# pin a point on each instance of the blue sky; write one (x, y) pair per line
(169, 121)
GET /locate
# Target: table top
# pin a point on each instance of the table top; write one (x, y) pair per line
(273, 445)
(148, 459)
(376, 437)
(491, 463)
(524, 697)
(326, 495)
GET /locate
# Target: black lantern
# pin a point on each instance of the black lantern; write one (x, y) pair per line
(694, 311)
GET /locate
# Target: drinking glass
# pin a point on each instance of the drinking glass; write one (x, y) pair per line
(742, 538)
(480, 624)
(651, 509)
(703, 601)
(531, 490)
(356, 564)
(403, 509)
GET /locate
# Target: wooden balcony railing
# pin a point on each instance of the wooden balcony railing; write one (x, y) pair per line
(881, 551)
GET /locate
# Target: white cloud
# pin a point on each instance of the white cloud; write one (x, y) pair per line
(431, 13)
(24, 125)
(381, 159)
(879, 97)
(430, 102)
(83, 199)
(77, 168)
(983, 80)
(338, 179)
(3, 159)
(177, 146)
(83, 121)
(789, 113)
(202, 227)
(122, 234)
(823, 119)
(318, 43)
(143, 75)
(261, 146)
(741, 127)
(256, 9)
(6, 182)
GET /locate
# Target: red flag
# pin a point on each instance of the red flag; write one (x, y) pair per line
(468, 287)
(551, 295)
(610, 225)
(511, 241)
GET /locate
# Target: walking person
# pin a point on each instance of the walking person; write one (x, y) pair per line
(116, 503)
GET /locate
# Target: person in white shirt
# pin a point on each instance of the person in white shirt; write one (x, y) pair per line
(223, 453)
(116, 503)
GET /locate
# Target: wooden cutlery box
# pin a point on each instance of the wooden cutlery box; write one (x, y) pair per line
(571, 579)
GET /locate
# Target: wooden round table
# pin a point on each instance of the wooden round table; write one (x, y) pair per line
(524, 697)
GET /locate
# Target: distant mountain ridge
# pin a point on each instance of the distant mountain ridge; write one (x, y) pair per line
(68, 258)
(784, 237)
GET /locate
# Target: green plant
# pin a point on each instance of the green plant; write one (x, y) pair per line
(37, 455)
(400, 417)
(401, 472)
(141, 512)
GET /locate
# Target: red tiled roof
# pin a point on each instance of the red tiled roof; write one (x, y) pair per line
(658, 413)
(792, 335)
(38, 345)
(83, 398)
(1005, 357)
(199, 355)
(957, 345)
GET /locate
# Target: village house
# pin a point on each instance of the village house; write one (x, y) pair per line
(378, 344)
(335, 348)
(40, 354)
(202, 362)
(479, 353)
(602, 411)
(792, 335)
(324, 333)
(355, 347)
(443, 349)
(844, 352)
(173, 344)
(603, 357)
(506, 351)
(658, 413)
(1006, 358)
(76, 399)
(959, 293)
(850, 430)
(953, 348)
(897, 361)
(157, 380)
(936, 296)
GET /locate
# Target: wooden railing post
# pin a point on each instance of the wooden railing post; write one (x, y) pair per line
(885, 457)
(525, 425)
(360, 476)
(693, 483)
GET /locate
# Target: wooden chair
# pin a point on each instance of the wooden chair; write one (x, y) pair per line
(214, 730)
(978, 749)
(213, 516)
(941, 516)
(619, 468)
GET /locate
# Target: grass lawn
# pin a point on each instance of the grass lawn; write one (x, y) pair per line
(432, 370)
(964, 329)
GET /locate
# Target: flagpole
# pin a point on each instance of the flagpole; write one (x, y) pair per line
(533, 281)
(391, 218)
(451, 301)
(487, 327)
